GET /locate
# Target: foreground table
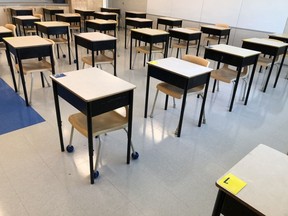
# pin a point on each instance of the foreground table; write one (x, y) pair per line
(237, 57)
(93, 92)
(265, 171)
(182, 74)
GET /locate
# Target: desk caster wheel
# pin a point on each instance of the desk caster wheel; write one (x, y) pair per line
(70, 148)
(75, 61)
(64, 56)
(135, 155)
(96, 174)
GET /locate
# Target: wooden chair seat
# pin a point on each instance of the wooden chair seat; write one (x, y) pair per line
(99, 59)
(146, 49)
(31, 66)
(103, 123)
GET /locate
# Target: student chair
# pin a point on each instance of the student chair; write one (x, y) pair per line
(214, 38)
(32, 66)
(175, 92)
(228, 75)
(101, 124)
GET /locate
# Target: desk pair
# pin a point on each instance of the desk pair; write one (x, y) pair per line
(180, 73)
(27, 47)
(101, 25)
(25, 22)
(93, 92)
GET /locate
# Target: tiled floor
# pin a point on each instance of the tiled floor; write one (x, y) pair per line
(173, 176)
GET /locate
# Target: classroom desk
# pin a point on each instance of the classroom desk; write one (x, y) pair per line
(136, 23)
(265, 171)
(73, 18)
(25, 21)
(93, 92)
(95, 41)
(51, 12)
(101, 25)
(105, 15)
(113, 10)
(186, 34)
(281, 37)
(54, 28)
(20, 12)
(150, 36)
(135, 14)
(234, 56)
(27, 47)
(268, 47)
(216, 30)
(85, 14)
(182, 74)
(168, 21)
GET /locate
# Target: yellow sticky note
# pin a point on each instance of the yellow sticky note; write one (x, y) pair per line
(153, 62)
(232, 183)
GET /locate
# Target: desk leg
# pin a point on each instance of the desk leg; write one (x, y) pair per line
(278, 74)
(269, 74)
(178, 130)
(58, 115)
(218, 203)
(8, 56)
(130, 67)
(198, 46)
(126, 36)
(23, 82)
(235, 89)
(130, 126)
(147, 93)
(76, 53)
(250, 81)
(204, 100)
(90, 143)
(114, 56)
(69, 49)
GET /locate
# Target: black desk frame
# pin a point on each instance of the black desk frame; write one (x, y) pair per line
(91, 109)
(24, 23)
(101, 27)
(151, 39)
(167, 22)
(181, 82)
(95, 46)
(271, 51)
(236, 61)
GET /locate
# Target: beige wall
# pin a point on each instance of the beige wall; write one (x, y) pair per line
(86, 4)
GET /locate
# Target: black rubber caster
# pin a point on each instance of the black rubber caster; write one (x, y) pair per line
(135, 155)
(75, 61)
(70, 148)
(64, 56)
(96, 174)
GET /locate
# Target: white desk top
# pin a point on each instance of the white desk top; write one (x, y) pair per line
(4, 30)
(266, 41)
(106, 13)
(69, 14)
(52, 9)
(237, 51)
(93, 84)
(214, 27)
(139, 19)
(96, 36)
(170, 18)
(265, 171)
(182, 68)
(26, 41)
(26, 17)
(185, 30)
(53, 23)
(151, 32)
(284, 35)
(102, 21)
(136, 12)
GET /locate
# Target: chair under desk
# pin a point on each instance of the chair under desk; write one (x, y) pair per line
(264, 170)
(150, 36)
(55, 28)
(93, 92)
(235, 56)
(136, 22)
(187, 35)
(268, 47)
(95, 41)
(168, 21)
(180, 73)
(27, 47)
(48, 13)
